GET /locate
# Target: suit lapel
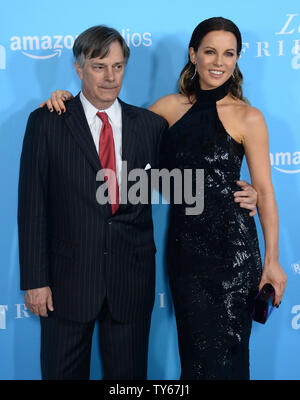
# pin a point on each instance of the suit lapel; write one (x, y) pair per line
(80, 130)
(76, 121)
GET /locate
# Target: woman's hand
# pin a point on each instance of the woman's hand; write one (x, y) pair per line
(247, 197)
(273, 273)
(57, 100)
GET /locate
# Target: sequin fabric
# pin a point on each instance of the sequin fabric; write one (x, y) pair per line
(213, 258)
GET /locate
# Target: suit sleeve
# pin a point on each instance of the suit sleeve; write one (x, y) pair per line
(32, 205)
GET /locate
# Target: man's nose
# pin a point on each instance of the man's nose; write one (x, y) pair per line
(110, 75)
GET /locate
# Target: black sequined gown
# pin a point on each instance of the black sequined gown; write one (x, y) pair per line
(213, 259)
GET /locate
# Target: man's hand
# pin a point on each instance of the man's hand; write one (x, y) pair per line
(247, 197)
(38, 300)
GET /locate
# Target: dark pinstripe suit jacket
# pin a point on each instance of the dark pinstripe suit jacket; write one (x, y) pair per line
(66, 239)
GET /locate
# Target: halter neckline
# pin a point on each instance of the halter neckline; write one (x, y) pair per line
(213, 95)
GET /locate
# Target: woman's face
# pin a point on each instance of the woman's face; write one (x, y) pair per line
(215, 58)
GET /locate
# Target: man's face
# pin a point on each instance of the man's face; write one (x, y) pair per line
(101, 78)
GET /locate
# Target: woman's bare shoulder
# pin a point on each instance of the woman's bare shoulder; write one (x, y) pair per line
(240, 118)
(251, 121)
(170, 106)
(247, 112)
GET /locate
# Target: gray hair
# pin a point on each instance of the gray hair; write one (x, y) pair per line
(96, 42)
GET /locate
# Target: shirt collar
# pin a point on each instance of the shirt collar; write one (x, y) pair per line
(114, 112)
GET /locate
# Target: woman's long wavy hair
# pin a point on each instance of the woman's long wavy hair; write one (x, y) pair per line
(188, 78)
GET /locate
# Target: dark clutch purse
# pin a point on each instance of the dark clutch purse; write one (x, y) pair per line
(263, 304)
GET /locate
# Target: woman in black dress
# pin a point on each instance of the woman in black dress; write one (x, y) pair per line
(213, 258)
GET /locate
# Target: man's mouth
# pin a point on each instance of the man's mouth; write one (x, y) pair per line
(108, 87)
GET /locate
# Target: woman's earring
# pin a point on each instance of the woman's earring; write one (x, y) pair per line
(194, 72)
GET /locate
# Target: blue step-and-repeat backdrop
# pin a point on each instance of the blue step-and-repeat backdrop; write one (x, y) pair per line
(36, 39)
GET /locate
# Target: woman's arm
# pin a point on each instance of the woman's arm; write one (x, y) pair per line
(256, 144)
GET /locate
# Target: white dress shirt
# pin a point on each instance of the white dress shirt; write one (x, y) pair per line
(114, 113)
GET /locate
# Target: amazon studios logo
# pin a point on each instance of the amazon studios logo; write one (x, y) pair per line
(45, 47)
(50, 45)
(286, 162)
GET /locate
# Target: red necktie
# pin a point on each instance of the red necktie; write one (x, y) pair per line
(108, 159)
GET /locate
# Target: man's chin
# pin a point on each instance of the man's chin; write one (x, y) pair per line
(104, 102)
(108, 100)
(109, 95)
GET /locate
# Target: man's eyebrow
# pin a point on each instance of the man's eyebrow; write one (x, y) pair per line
(103, 63)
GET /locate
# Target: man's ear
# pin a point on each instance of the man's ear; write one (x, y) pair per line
(78, 69)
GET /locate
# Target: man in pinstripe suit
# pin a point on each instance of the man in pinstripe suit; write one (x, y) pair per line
(80, 262)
